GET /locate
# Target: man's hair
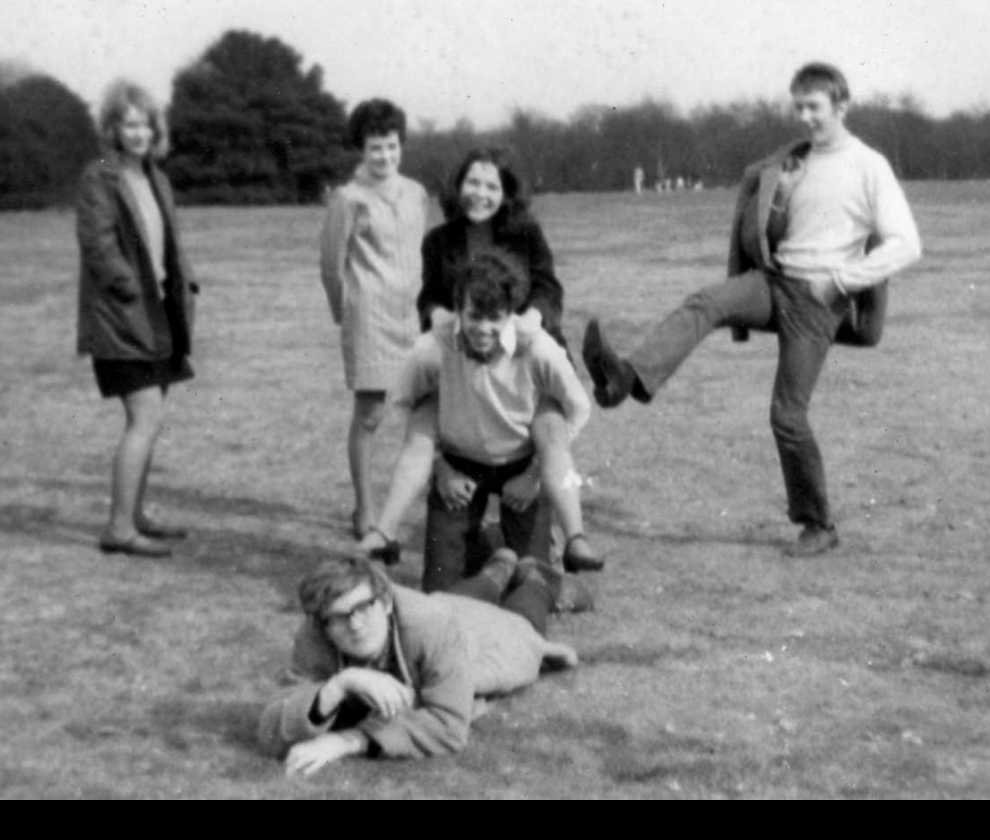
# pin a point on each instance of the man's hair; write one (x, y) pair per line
(494, 281)
(821, 76)
(375, 118)
(336, 577)
(121, 95)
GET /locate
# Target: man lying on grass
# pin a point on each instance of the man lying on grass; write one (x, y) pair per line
(382, 670)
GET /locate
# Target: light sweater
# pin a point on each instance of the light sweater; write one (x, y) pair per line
(847, 193)
(486, 408)
(149, 217)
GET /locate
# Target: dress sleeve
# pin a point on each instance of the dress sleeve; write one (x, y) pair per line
(334, 242)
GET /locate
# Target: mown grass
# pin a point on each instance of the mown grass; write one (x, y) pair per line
(712, 668)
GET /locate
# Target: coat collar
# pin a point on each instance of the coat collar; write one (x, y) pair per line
(785, 158)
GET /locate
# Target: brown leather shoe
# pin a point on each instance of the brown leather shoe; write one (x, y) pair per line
(613, 377)
(579, 557)
(137, 545)
(568, 592)
(812, 541)
(387, 550)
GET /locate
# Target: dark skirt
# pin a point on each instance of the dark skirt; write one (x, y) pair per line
(120, 377)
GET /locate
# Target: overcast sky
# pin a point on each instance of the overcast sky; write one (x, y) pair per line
(444, 59)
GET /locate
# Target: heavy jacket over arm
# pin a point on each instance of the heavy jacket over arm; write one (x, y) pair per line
(121, 311)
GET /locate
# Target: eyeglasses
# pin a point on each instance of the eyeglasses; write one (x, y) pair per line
(360, 610)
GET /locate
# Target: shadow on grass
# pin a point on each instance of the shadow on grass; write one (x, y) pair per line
(183, 497)
(607, 516)
(640, 657)
(181, 721)
(211, 504)
(45, 523)
(223, 551)
(673, 759)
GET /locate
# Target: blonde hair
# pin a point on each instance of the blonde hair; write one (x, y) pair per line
(121, 95)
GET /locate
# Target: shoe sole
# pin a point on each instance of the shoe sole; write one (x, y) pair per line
(131, 551)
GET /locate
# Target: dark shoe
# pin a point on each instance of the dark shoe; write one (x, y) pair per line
(812, 541)
(136, 546)
(578, 556)
(567, 592)
(159, 530)
(613, 377)
(389, 553)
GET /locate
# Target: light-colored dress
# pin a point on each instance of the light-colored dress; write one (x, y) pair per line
(371, 268)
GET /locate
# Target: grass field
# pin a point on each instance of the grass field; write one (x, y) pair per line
(712, 668)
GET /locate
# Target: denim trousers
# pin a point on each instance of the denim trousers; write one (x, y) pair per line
(805, 330)
(455, 545)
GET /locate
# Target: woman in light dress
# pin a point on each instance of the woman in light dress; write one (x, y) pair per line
(371, 268)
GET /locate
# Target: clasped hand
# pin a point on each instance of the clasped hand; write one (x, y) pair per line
(383, 693)
(455, 489)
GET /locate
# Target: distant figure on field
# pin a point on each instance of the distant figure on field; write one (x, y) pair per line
(801, 263)
(638, 177)
(136, 295)
(383, 671)
(370, 267)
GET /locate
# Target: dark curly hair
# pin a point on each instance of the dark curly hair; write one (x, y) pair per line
(375, 118)
(494, 281)
(515, 201)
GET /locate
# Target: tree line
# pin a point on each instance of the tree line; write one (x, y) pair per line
(251, 125)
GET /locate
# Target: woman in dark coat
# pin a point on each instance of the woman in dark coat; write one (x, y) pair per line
(135, 301)
(487, 209)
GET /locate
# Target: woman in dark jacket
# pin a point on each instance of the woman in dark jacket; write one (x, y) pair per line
(135, 301)
(487, 209)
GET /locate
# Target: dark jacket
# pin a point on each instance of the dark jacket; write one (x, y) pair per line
(757, 227)
(121, 313)
(446, 245)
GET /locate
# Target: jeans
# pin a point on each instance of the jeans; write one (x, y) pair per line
(456, 548)
(805, 329)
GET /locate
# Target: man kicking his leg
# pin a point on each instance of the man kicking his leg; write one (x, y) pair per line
(840, 225)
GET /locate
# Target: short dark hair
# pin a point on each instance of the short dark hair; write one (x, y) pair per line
(336, 577)
(821, 76)
(493, 280)
(375, 118)
(514, 198)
